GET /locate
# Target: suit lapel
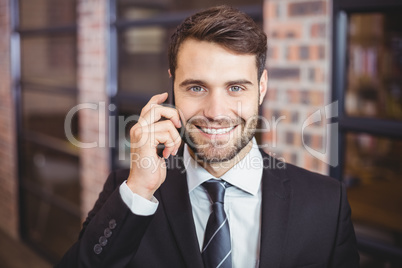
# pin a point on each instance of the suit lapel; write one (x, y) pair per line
(176, 202)
(276, 194)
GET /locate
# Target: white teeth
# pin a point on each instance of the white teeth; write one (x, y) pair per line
(217, 131)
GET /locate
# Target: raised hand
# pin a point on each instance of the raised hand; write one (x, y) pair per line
(148, 170)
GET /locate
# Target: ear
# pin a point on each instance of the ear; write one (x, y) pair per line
(263, 85)
(170, 74)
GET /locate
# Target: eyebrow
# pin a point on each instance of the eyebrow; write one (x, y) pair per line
(200, 82)
(239, 82)
(191, 82)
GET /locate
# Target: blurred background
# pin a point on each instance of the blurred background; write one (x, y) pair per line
(111, 55)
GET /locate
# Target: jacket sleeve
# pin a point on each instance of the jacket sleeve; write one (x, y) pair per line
(111, 233)
(345, 252)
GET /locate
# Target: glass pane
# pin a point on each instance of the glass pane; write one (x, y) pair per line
(56, 173)
(373, 168)
(143, 60)
(51, 207)
(48, 227)
(374, 87)
(45, 113)
(47, 13)
(140, 9)
(49, 60)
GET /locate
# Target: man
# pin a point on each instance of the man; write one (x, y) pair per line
(220, 202)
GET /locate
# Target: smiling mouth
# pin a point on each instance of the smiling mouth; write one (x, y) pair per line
(216, 131)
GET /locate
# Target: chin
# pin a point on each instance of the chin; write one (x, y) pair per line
(216, 153)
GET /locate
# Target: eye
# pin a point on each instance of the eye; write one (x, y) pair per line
(235, 89)
(196, 89)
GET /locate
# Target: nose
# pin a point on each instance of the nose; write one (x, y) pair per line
(215, 105)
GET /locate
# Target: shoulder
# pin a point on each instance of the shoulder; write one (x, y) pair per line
(299, 178)
(303, 178)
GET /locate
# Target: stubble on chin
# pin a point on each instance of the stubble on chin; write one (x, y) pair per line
(216, 151)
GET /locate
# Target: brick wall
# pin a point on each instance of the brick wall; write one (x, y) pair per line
(299, 78)
(8, 173)
(92, 70)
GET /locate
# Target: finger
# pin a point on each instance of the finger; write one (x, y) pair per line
(165, 139)
(173, 149)
(155, 100)
(157, 112)
(165, 126)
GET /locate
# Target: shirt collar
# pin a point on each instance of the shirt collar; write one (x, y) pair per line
(245, 175)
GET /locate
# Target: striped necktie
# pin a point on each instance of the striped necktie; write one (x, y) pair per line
(217, 249)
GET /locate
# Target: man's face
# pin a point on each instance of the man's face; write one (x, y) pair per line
(217, 93)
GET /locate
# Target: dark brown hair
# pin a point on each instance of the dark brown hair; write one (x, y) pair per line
(225, 26)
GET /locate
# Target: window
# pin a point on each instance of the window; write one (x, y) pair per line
(45, 39)
(367, 81)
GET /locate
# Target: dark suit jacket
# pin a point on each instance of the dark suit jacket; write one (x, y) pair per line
(305, 223)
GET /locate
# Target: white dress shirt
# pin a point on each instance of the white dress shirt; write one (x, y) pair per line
(242, 204)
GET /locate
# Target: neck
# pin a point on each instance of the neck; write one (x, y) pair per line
(217, 169)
